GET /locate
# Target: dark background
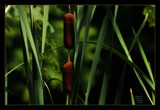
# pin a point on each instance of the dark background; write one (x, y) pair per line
(127, 17)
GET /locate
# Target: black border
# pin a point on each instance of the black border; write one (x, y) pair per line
(98, 2)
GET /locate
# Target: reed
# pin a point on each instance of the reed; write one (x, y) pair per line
(34, 50)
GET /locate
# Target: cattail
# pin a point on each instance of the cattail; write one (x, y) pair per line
(68, 73)
(69, 36)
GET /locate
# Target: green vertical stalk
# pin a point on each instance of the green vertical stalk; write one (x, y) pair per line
(44, 30)
(107, 73)
(146, 64)
(129, 57)
(79, 24)
(132, 97)
(97, 53)
(26, 63)
(90, 13)
(38, 82)
(6, 78)
(6, 93)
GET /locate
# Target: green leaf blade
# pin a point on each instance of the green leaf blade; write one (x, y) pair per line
(97, 53)
(39, 95)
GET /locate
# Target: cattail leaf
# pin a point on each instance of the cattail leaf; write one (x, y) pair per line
(120, 84)
(39, 95)
(79, 22)
(97, 53)
(147, 64)
(44, 30)
(79, 25)
(90, 13)
(104, 89)
(144, 58)
(26, 62)
(129, 57)
(120, 55)
(19, 65)
(132, 97)
(138, 33)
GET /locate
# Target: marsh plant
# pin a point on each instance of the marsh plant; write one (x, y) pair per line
(79, 54)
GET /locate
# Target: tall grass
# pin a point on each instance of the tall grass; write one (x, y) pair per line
(33, 66)
(105, 83)
(36, 84)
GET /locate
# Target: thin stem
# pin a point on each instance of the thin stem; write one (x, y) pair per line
(69, 7)
(68, 55)
(67, 99)
(50, 95)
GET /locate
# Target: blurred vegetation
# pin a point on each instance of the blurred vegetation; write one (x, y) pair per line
(54, 60)
(151, 18)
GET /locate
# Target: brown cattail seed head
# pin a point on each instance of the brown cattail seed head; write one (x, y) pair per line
(68, 73)
(69, 36)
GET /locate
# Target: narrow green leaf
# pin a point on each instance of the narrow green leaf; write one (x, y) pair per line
(97, 53)
(144, 57)
(104, 89)
(90, 13)
(24, 21)
(147, 65)
(139, 31)
(106, 47)
(6, 78)
(129, 57)
(135, 67)
(120, 85)
(132, 97)
(153, 96)
(29, 35)
(26, 62)
(25, 39)
(45, 21)
(79, 22)
(14, 69)
(120, 38)
(105, 83)
(6, 91)
(31, 59)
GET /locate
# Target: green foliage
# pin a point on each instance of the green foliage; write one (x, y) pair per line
(94, 43)
(151, 17)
